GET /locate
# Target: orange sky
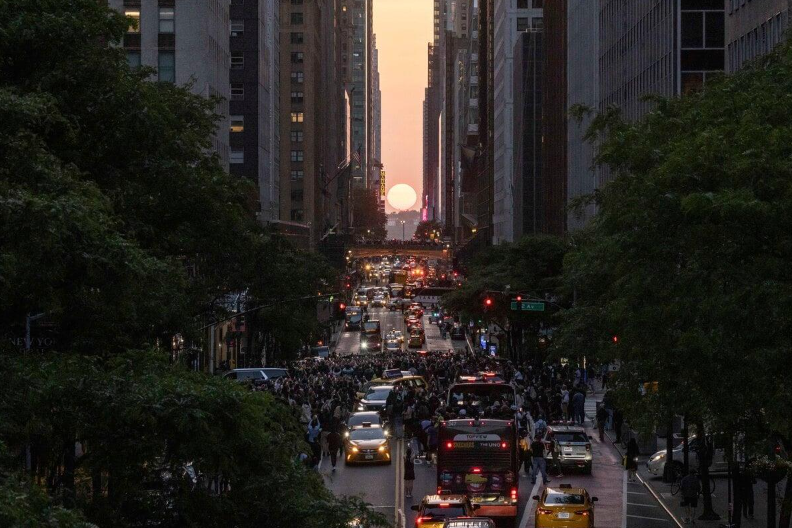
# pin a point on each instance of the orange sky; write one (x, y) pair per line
(403, 28)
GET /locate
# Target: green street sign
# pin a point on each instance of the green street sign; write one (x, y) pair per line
(528, 306)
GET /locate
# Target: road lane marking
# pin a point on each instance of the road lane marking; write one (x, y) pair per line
(636, 493)
(677, 521)
(528, 505)
(624, 500)
(649, 518)
(642, 505)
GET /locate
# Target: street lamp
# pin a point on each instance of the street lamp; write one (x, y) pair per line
(402, 223)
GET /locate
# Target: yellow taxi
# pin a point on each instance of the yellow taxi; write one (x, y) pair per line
(564, 507)
(434, 510)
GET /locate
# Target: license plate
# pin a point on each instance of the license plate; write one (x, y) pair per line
(369, 457)
(567, 450)
(563, 515)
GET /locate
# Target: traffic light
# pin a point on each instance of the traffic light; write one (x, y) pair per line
(339, 310)
(341, 306)
(488, 302)
(519, 298)
(348, 285)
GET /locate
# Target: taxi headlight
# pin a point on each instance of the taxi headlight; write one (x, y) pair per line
(363, 345)
(355, 449)
(382, 449)
(346, 434)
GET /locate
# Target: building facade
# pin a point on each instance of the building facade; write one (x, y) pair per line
(582, 89)
(511, 17)
(254, 122)
(659, 60)
(554, 111)
(529, 86)
(186, 42)
(753, 29)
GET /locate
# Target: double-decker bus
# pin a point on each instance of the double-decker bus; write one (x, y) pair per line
(481, 391)
(480, 458)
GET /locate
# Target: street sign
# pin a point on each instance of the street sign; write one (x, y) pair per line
(528, 306)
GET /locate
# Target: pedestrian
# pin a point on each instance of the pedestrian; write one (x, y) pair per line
(431, 443)
(409, 473)
(618, 422)
(690, 486)
(602, 417)
(555, 450)
(746, 491)
(540, 426)
(631, 459)
(565, 402)
(334, 446)
(578, 406)
(525, 452)
(538, 462)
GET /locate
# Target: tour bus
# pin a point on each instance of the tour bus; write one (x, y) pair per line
(480, 458)
(481, 390)
(353, 318)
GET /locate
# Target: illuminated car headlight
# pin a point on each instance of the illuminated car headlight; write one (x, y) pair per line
(657, 456)
(355, 449)
(382, 449)
(363, 345)
(346, 434)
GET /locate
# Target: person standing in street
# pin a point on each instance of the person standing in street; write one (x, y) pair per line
(578, 406)
(602, 417)
(745, 489)
(690, 487)
(555, 450)
(631, 459)
(334, 446)
(618, 422)
(409, 473)
(538, 462)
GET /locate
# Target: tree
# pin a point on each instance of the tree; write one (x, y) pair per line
(531, 267)
(368, 219)
(428, 230)
(161, 446)
(688, 257)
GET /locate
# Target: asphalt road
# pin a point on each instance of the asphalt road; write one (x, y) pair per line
(382, 486)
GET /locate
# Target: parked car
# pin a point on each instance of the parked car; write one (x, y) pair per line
(255, 375)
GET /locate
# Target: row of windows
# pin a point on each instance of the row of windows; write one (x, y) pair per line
(166, 64)
(757, 42)
(167, 20)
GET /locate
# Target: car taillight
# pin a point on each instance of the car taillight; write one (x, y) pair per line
(544, 511)
(449, 445)
(504, 445)
(476, 470)
(582, 512)
(514, 493)
(421, 520)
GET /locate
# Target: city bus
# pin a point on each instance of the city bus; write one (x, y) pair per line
(480, 458)
(371, 336)
(480, 391)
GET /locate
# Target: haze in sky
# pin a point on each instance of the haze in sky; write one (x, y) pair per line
(404, 29)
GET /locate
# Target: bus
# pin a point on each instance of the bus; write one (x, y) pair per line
(481, 391)
(480, 458)
(353, 318)
(371, 336)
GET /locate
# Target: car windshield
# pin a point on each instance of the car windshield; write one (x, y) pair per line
(454, 510)
(370, 326)
(248, 374)
(378, 393)
(562, 438)
(367, 433)
(358, 419)
(565, 498)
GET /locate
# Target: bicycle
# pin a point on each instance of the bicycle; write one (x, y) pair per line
(677, 483)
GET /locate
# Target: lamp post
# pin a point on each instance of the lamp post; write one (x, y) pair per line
(402, 223)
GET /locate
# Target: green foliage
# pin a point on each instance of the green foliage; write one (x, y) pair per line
(688, 258)
(25, 506)
(367, 215)
(141, 422)
(425, 228)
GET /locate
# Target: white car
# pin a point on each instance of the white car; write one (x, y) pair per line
(656, 463)
(392, 345)
(379, 300)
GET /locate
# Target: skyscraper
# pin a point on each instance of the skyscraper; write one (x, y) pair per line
(754, 29)
(510, 19)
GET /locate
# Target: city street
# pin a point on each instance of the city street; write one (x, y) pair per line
(382, 485)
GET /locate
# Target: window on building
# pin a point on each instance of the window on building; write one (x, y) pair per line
(297, 195)
(237, 156)
(296, 136)
(167, 20)
(692, 29)
(297, 117)
(166, 66)
(296, 37)
(237, 124)
(537, 22)
(237, 60)
(297, 155)
(297, 175)
(297, 215)
(133, 59)
(522, 23)
(522, 4)
(716, 31)
(297, 77)
(237, 91)
(297, 57)
(296, 19)
(237, 28)
(133, 16)
(296, 2)
(537, 4)
(296, 97)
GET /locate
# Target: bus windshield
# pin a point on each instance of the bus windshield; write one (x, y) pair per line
(371, 326)
(481, 394)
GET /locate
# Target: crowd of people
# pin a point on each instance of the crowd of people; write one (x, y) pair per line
(323, 394)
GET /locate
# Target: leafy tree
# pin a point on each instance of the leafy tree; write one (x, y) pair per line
(425, 228)
(367, 214)
(688, 258)
(531, 267)
(161, 446)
